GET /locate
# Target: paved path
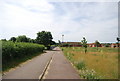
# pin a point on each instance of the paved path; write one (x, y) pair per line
(32, 69)
(60, 68)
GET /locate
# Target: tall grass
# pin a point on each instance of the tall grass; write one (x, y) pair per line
(80, 65)
(14, 53)
(103, 61)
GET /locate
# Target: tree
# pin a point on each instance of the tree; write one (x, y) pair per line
(107, 44)
(44, 38)
(13, 39)
(97, 44)
(22, 38)
(32, 40)
(3, 40)
(84, 44)
(118, 39)
(53, 42)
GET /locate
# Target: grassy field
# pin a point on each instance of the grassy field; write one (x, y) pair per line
(95, 64)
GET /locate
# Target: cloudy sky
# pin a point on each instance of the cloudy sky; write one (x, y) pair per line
(93, 20)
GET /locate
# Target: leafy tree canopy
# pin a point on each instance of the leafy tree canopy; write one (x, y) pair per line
(13, 39)
(84, 42)
(97, 43)
(44, 38)
(22, 38)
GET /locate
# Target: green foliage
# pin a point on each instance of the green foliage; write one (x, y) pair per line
(97, 43)
(84, 43)
(12, 51)
(69, 55)
(32, 40)
(89, 74)
(44, 38)
(53, 43)
(107, 44)
(0, 57)
(80, 65)
(84, 72)
(118, 39)
(92, 49)
(22, 38)
(3, 40)
(13, 39)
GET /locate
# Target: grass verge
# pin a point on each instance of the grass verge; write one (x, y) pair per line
(95, 64)
(16, 62)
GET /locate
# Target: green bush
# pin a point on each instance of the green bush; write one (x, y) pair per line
(81, 65)
(12, 51)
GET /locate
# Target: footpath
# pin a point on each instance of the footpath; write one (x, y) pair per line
(60, 67)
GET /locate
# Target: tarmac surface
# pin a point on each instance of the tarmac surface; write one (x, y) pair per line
(61, 68)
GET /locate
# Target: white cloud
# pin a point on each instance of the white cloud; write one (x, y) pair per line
(17, 20)
(95, 21)
(83, 0)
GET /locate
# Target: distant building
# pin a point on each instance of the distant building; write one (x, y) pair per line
(72, 44)
(113, 45)
(91, 45)
(78, 44)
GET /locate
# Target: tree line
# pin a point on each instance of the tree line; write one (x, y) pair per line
(43, 37)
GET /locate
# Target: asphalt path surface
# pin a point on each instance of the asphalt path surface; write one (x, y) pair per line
(60, 67)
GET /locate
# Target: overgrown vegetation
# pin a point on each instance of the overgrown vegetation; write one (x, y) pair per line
(89, 74)
(80, 65)
(14, 53)
(101, 64)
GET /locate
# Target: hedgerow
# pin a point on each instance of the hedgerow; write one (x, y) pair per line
(12, 51)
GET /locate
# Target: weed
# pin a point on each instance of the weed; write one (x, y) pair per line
(89, 74)
(80, 65)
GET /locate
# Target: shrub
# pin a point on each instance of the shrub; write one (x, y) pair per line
(12, 51)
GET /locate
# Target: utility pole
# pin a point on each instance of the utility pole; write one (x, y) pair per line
(62, 38)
